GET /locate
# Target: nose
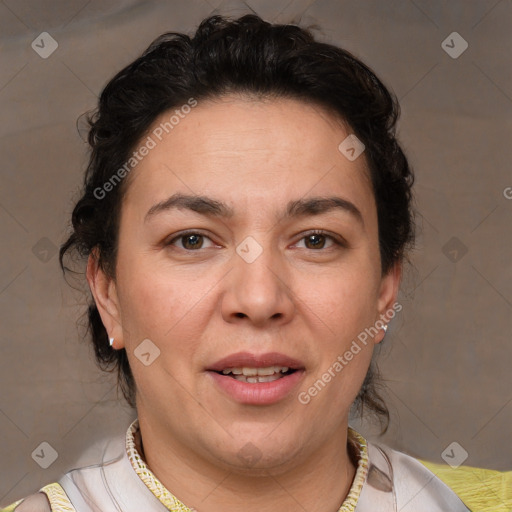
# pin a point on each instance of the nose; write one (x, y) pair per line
(256, 290)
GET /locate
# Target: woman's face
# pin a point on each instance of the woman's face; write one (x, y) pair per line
(248, 243)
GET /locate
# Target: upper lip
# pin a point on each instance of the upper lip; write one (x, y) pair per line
(248, 360)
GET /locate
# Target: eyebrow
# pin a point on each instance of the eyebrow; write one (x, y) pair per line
(319, 205)
(298, 208)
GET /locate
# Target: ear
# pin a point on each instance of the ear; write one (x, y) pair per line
(103, 289)
(386, 302)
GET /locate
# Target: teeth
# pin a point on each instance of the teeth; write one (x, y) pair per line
(266, 371)
(234, 371)
(253, 372)
(255, 380)
(268, 378)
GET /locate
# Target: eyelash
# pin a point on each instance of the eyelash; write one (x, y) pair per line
(339, 241)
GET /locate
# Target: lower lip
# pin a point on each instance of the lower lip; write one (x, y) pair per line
(259, 393)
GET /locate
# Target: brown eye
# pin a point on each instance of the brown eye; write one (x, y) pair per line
(315, 241)
(322, 241)
(192, 241)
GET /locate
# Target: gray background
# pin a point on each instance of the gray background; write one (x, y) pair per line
(447, 356)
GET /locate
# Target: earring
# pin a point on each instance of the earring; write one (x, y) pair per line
(111, 341)
(385, 327)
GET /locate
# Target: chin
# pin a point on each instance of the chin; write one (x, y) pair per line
(259, 455)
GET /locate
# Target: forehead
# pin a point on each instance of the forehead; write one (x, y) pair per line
(249, 150)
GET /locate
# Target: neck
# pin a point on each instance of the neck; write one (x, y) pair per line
(319, 484)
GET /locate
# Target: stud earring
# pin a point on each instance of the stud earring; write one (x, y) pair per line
(385, 327)
(111, 341)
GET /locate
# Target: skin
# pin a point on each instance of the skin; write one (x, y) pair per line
(200, 305)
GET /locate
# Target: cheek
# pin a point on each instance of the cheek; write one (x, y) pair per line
(342, 305)
(169, 313)
(160, 303)
(344, 299)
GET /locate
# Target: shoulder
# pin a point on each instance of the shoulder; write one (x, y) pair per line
(50, 498)
(37, 502)
(463, 488)
(404, 483)
(482, 490)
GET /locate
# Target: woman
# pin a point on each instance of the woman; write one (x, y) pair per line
(245, 218)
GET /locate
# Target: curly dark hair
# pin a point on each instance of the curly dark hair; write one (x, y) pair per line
(241, 56)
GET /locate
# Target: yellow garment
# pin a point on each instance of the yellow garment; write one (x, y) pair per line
(59, 501)
(58, 498)
(481, 490)
(10, 508)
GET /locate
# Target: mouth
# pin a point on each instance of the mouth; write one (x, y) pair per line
(257, 379)
(257, 375)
